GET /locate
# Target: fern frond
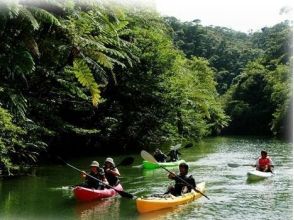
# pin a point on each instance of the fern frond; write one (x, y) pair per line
(44, 16)
(27, 15)
(73, 89)
(98, 70)
(24, 62)
(104, 60)
(83, 74)
(19, 105)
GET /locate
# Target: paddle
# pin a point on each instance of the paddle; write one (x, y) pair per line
(146, 156)
(125, 162)
(238, 165)
(122, 193)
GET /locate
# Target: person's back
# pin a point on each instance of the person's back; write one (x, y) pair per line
(159, 156)
(174, 155)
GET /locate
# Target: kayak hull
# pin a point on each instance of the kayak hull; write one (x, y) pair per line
(256, 175)
(154, 203)
(151, 166)
(83, 194)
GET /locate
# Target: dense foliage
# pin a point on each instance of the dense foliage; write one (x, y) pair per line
(253, 72)
(227, 51)
(92, 78)
(260, 100)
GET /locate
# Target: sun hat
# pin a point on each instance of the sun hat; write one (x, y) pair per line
(94, 164)
(109, 160)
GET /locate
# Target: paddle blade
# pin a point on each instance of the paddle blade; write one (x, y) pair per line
(127, 161)
(146, 156)
(176, 147)
(233, 165)
(237, 165)
(188, 145)
(125, 194)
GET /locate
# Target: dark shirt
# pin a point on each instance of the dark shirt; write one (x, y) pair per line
(112, 179)
(92, 183)
(174, 155)
(179, 185)
(160, 157)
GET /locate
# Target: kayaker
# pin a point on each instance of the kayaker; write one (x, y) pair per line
(111, 172)
(180, 187)
(96, 172)
(173, 155)
(159, 156)
(264, 163)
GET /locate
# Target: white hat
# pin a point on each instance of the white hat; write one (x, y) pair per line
(110, 160)
(94, 164)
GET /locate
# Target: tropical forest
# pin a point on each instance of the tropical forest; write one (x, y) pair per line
(99, 84)
(89, 77)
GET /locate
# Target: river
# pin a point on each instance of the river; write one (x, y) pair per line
(47, 194)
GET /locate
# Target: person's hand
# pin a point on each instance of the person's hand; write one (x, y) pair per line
(172, 175)
(108, 170)
(83, 174)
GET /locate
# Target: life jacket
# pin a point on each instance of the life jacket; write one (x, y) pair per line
(112, 180)
(263, 162)
(92, 183)
(179, 183)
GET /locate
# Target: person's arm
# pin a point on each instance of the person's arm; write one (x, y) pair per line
(171, 176)
(114, 171)
(257, 163)
(193, 183)
(270, 162)
(83, 175)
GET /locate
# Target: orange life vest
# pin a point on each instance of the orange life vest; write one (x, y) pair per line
(264, 162)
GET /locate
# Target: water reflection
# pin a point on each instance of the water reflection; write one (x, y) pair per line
(171, 213)
(101, 209)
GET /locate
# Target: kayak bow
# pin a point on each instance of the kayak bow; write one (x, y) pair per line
(151, 166)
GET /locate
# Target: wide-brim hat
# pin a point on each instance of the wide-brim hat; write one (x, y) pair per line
(109, 160)
(94, 164)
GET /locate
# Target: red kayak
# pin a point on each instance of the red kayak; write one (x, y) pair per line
(85, 194)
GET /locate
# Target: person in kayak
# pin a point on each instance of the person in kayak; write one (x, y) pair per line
(264, 163)
(96, 172)
(180, 187)
(111, 172)
(159, 156)
(173, 155)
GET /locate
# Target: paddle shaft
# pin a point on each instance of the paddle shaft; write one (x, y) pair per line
(238, 165)
(184, 181)
(122, 193)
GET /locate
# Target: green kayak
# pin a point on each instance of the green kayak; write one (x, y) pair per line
(150, 166)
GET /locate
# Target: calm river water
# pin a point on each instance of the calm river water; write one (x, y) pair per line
(48, 196)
